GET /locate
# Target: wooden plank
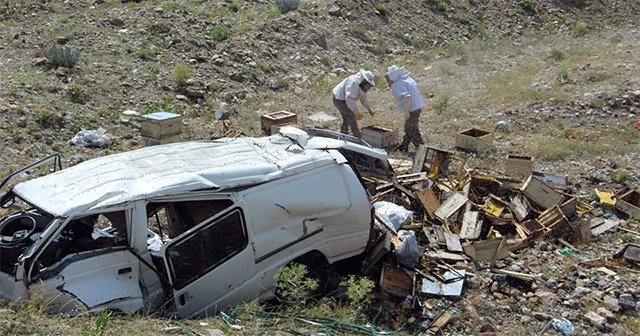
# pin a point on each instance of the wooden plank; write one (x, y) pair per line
(606, 226)
(520, 207)
(440, 234)
(486, 250)
(443, 255)
(403, 189)
(429, 201)
(418, 159)
(453, 242)
(471, 225)
(440, 322)
(451, 205)
(517, 275)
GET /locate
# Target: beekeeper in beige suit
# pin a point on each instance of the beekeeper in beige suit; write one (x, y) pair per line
(345, 97)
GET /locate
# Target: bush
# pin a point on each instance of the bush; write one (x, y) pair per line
(77, 94)
(181, 73)
(162, 27)
(62, 56)
(294, 286)
(581, 28)
(326, 60)
(286, 6)
(234, 7)
(528, 5)
(220, 33)
(46, 119)
(382, 9)
(557, 55)
(358, 290)
(359, 32)
(620, 177)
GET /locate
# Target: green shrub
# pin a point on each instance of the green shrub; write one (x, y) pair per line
(170, 6)
(286, 6)
(162, 27)
(557, 55)
(581, 28)
(101, 325)
(562, 72)
(255, 72)
(439, 5)
(77, 94)
(234, 7)
(220, 33)
(47, 119)
(145, 52)
(326, 60)
(359, 32)
(62, 56)
(379, 48)
(181, 73)
(293, 286)
(528, 5)
(621, 177)
(383, 9)
(358, 290)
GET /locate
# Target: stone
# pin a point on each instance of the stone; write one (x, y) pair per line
(541, 316)
(581, 291)
(545, 297)
(334, 11)
(606, 313)
(215, 332)
(617, 37)
(544, 246)
(39, 61)
(627, 303)
(612, 303)
(524, 319)
(22, 122)
(595, 319)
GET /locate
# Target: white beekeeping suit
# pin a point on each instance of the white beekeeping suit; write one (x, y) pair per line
(350, 90)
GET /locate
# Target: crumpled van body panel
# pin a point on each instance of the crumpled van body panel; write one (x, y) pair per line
(183, 228)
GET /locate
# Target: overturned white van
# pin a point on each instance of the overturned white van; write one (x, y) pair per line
(186, 228)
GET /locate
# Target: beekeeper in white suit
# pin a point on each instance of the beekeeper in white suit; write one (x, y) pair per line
(409, 102)
(345, 97)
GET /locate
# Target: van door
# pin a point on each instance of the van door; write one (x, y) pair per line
(208, 265)
(87, 265)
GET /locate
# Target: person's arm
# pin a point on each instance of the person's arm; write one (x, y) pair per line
(365, 102)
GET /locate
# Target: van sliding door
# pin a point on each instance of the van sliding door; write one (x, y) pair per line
(208, 266)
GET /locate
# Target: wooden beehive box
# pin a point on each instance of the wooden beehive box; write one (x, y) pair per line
(540, 193)
(149, 141)
(629, 203)
(379, 137)
(159, 125)
(518, 166)
(277, 118)
(474, 140)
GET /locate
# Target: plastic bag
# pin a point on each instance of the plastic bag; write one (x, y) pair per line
(392, 214)
(407, 253)
(92, 138)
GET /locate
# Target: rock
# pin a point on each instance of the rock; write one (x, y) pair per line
(320, 39)
(22, 122)
(581, 291)
(541, 316)
(627, 303)
(617, 37)
(215, 332)
(524, 319)
(544, 246)
(612, 303)
(606, 313)
(595, 319)
(339, 71)
(116, 22)
(39, 61)
(545, 297)
(334, 11)
(551, 283)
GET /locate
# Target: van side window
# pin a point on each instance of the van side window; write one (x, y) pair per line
(171, 219)
(195, 255)
(86, 233)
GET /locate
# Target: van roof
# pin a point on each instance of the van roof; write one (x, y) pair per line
(180, 167)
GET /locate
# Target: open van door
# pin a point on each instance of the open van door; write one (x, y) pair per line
(210, 261)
